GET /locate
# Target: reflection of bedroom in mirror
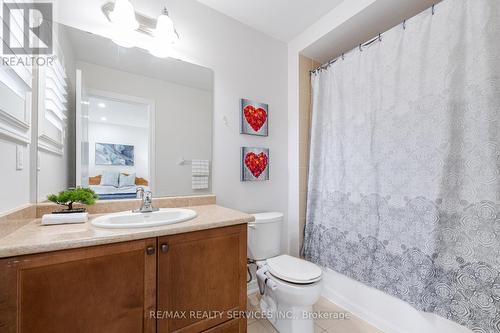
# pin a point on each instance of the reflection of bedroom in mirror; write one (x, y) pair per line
(119, 145)
(115, 119)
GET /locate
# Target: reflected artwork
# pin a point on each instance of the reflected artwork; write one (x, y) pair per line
(114, 154)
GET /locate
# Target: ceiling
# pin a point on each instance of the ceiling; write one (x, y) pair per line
(380, 16)
(281, 19)
(109, 111)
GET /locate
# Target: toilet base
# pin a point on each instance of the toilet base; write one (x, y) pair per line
(288, 319)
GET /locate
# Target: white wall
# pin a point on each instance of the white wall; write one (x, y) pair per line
(15, 135)
(15, 130)
(120, 134)
(15, 183)
(251, 65)
(52, 175)
(246, 63)
(183, 118)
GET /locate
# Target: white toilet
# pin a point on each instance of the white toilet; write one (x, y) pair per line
(290, 286)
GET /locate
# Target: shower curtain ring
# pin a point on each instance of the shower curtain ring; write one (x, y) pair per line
(342, 56)
(404, 25)
(360, 48)
(433, 9)
(379, 37)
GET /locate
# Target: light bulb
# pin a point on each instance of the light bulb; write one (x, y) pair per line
(123, 15)
(165, 30)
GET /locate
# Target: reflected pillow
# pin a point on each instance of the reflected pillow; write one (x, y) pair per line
(110, 178)
(96, 180)
(127, 180)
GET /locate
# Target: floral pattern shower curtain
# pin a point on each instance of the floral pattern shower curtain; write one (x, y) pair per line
(404, 184)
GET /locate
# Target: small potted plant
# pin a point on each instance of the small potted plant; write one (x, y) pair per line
(69, 197)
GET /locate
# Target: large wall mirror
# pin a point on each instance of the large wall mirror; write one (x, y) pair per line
(114, 119)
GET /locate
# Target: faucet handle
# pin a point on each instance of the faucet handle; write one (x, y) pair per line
(148, 202)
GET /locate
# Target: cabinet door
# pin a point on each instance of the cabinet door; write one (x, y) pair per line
(201, 279)
(232, 326)
(110, 288)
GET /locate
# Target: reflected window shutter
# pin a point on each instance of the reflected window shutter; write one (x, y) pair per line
(56, 93)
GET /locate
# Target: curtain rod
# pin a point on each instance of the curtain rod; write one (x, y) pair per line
(360, 47)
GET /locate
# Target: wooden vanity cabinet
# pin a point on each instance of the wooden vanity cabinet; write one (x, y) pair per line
(109, 288)
(202, 278)
(118, 287)
(232, 326)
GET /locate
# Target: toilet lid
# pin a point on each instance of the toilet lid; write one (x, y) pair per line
(293, 269)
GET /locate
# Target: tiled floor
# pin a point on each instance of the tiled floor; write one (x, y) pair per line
(351, 325)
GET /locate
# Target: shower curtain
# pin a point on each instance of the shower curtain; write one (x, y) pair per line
(404, 182)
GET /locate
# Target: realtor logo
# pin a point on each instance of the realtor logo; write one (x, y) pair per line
(27, 28)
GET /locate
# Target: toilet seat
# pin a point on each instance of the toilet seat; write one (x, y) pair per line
(294, 270)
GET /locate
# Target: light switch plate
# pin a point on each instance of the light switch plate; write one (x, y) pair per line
(19, 158)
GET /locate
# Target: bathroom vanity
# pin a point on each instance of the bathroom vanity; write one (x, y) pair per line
(187, 277)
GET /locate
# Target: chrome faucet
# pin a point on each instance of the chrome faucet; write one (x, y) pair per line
(147, 201)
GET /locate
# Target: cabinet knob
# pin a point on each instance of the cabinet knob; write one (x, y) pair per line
(150, 250)
(164, 248)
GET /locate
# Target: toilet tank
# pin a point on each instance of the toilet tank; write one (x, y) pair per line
(264, 236)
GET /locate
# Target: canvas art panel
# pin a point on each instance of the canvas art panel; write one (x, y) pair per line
(254, 164)
(254, 118)
(114, 154)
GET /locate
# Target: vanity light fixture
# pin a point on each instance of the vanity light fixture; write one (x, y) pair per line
(131, 29)
(101, 105)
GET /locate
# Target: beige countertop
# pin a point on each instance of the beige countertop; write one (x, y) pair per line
(29, 236)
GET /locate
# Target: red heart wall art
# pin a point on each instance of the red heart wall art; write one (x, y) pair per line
(256, 163)
(256, 117)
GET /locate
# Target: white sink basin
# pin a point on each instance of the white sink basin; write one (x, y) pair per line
(144, 220)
